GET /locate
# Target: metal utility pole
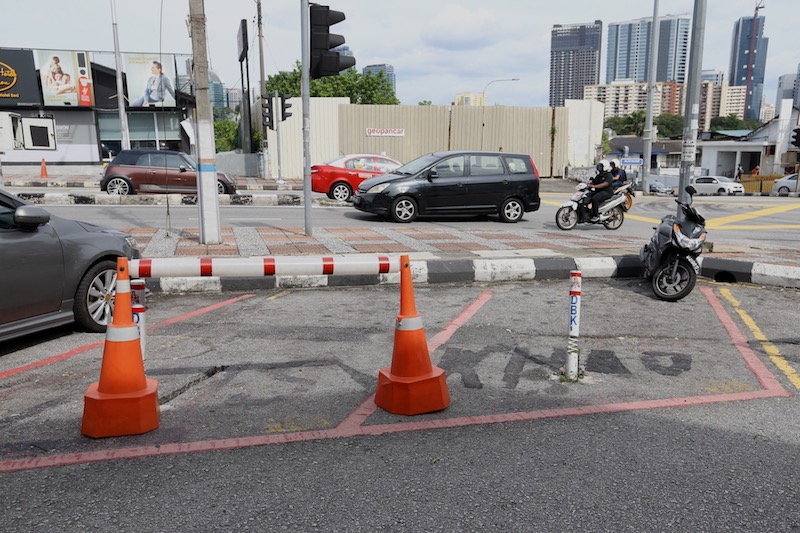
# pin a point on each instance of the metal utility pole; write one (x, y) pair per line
(305, 91)
(207, 200)
(279, 177)
(262, 91)
(123, 116)
(648, 137)
(692, 110)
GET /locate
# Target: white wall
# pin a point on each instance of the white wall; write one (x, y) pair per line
(585, 131)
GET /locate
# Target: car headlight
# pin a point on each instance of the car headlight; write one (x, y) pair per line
(378, 188)
(687, 243)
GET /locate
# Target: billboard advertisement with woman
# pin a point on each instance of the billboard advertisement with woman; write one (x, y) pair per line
(151, 80)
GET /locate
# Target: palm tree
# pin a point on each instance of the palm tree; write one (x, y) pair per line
(635, 123)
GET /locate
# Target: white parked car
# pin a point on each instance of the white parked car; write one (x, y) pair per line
(785, 185)
(717, 185)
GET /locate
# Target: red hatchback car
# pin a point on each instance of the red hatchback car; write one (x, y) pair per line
(341, 176)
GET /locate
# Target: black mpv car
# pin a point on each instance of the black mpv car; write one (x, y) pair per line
(455, 182)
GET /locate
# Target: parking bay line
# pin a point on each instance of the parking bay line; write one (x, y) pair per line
(771, 350)
(771, 389)
(81, 349)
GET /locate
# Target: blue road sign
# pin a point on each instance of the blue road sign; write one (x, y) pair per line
(632, 161)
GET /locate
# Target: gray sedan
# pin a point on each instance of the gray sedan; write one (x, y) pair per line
(55, 271)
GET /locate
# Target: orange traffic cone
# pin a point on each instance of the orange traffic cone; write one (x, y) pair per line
(44, 170)
(124, 401)
(411, 386)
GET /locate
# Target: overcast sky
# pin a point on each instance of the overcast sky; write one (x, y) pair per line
(438, 48)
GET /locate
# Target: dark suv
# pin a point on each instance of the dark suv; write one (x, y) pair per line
(156, 171)
(456, 182)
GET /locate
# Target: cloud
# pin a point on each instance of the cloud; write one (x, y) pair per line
(457, 28)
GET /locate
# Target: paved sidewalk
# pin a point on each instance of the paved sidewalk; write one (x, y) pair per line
(440, 255)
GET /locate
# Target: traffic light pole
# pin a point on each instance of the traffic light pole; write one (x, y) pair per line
(278, 139)
(305, 91)
(262, 90)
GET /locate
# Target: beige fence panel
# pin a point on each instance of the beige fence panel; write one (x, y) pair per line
(402, 132)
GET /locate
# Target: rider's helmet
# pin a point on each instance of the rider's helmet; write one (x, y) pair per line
(603, 165)
(615, 163)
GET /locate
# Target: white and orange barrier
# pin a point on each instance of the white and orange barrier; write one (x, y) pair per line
(264, 266)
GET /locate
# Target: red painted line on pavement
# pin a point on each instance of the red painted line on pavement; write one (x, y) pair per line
(81, 349)
(367, 407)
(349, 427)
(764, 376)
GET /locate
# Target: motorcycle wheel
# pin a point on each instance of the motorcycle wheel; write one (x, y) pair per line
(628, 202)
(617, 217)
(566, 218)
(672, 289)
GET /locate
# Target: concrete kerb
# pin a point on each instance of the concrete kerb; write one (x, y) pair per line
(479, 270)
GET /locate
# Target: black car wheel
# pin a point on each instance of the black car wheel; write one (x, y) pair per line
(341, 192)
(221, 187)
(120, 186)
(404, 209)
(783, 190)
(512, 210)
(94, 299)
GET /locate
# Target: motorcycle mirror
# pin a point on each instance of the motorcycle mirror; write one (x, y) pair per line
(690, 190)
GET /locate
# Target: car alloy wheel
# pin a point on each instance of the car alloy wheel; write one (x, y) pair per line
(221, 189)
(783, 190)
(94, 299)
(341, 192)
(511, 211)
(404, 209)
(119, 186)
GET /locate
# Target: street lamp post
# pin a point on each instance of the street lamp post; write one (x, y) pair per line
(483, 114)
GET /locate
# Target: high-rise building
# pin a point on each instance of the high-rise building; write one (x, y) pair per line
(714, 76)
(748, 62)
(574, 60)
(388, 71)
(786, 88)
(628, 49)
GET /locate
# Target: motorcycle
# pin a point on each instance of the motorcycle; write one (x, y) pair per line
(630, 194)
(670, 258)
(611, 212)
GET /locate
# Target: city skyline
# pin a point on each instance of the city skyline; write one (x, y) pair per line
(437, 50)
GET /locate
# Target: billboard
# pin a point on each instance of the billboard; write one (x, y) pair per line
(18, 85)
(66, 78)
(151, 79)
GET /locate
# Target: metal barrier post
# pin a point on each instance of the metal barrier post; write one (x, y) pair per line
(571, 367)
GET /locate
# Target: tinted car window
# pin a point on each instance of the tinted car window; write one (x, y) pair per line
(143, 161)
(483, 165)
(158, 160)
(518, 165)
(452, 167)
(175, 161)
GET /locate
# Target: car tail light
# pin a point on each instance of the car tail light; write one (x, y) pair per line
(535, 170)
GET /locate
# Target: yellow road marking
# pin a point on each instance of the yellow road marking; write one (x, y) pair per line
(770, 349)
(276, 296)
(717, 222)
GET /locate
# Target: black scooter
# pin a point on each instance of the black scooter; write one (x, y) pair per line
(670, 257)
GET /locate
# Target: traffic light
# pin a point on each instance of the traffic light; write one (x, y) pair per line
(285, 105)
(324, 60)
(796, 137)
(269, 117)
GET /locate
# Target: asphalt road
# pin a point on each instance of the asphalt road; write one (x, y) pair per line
(741, 220)
(686, 420)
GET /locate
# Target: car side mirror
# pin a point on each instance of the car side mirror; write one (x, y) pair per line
(31, 216)
(182, 168)
(432, 173)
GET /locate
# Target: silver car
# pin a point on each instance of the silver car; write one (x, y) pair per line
(717, 185)
(785, 185)
(55, 271)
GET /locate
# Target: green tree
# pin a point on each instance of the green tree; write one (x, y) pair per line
(732, 122)
(359, 88)
(605, 143)
(426, 102)
(226, 135)
(669, 125)
(617, 124)
(635, 123)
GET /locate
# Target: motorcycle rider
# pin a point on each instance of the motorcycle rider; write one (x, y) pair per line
(601, 189)
(619, 174)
